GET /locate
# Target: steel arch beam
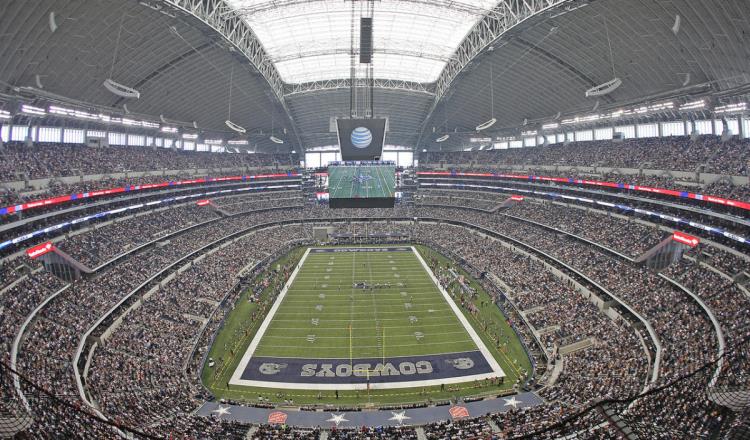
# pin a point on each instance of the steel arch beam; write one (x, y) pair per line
(221, 17)
(447, 4)
(345, 83)
(346, 51)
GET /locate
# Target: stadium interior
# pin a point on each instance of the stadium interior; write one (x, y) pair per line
(360, 219)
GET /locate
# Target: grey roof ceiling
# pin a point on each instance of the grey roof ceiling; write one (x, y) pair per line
(405, 112)
(183, 75)
(537, 73)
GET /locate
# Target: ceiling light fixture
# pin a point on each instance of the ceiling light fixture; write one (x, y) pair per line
(232, 126)
(112, 85)
(491, 122)
(611, 85)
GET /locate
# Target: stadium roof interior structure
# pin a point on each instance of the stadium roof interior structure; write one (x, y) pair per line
(287, 61)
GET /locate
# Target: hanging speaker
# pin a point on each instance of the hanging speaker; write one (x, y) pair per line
(365, 40)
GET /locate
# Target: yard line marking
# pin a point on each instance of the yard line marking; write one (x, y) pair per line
(363, 337)
(354, 320)
(374, 346)
(393, 327)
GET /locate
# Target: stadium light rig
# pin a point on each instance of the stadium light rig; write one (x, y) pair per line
(694, 105)
(731, 108)
(31, 110)
(551, 126)
(443, 138)
(276, 140)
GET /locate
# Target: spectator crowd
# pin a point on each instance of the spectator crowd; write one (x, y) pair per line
(142, 375)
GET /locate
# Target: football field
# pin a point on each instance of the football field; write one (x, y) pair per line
(371, 181)
(355, 316)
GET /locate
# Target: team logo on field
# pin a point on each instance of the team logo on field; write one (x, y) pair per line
(461, 363)
(270, 368)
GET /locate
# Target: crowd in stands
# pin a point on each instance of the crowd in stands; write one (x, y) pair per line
(18, 301)
(106, 242)
(137, 375)
(44, 160)
(283, 432)
(155, 341)
(725, 298)
(485, 201)
(724, 260)
(55, 187)
(714, 215)
(669, 153)
(460, 429)
(265, 199)
(614, 365)
(631, 238)
(249, 200)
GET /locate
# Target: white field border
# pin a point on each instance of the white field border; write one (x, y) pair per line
(236, 376)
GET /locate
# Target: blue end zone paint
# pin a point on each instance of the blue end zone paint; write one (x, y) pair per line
(340, 371)
(378, 249)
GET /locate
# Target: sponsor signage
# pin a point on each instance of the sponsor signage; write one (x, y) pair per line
(516, 198)
(42, 249)
(683, 238)
(458, 412)
(663, 191)
(203, 202)
(624, 208)
(39, 232)
(361, 139)
(277, 418)
(104, 192)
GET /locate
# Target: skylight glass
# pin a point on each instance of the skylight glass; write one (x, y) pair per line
(310, 40)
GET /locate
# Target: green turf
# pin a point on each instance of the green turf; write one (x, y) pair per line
(383, 321)
(238, 331)
(374, 181)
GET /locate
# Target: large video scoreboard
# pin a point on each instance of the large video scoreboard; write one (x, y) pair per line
(362, 185)
(361, 139)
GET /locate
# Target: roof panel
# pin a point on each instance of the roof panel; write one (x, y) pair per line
(311, 40)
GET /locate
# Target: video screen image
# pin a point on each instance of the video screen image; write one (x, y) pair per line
(359, 183)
